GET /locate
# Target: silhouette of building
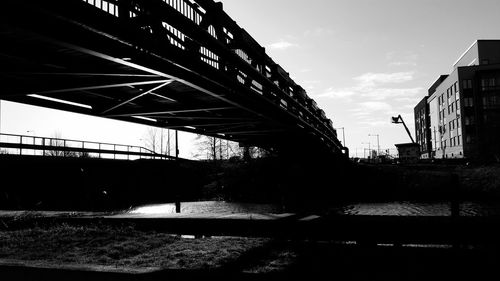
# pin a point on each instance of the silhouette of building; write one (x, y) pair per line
(460, 117)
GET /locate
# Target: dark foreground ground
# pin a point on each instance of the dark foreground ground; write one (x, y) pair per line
(124, 252)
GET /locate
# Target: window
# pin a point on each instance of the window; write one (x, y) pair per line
(469, 120)
(455, 87)
(467, 84)
(484, 84)
(468, 102)
(485, 102)
(469, 139)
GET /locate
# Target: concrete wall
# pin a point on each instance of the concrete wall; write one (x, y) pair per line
(469, 57)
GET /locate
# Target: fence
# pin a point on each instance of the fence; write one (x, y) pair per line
(57, 147)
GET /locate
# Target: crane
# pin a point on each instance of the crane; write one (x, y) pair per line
(398, 120)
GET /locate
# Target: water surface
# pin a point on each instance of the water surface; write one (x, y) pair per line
(402, 208)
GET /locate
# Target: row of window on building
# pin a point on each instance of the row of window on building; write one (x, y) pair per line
(452, 142)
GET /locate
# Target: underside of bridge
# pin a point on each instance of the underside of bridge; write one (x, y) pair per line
(181, 65)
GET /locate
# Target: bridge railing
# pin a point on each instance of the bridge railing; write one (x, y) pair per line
(200, 28)
(57, 147)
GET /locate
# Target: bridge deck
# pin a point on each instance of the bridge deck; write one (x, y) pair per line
(191, 69)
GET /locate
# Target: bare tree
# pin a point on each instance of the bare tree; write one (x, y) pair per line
(215, 148)
(56, 141)
(152, 139)
(161, 141)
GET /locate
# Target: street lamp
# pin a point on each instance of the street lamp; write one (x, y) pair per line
(378, 144)
(0, 116)
(369, 149)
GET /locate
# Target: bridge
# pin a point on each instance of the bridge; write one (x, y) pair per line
(176, 64)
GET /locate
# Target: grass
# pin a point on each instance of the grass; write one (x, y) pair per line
(120, 247)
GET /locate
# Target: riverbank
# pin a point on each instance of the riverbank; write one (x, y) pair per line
(422, 182)
(124, 249)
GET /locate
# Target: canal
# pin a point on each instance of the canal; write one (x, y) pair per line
(399, 208)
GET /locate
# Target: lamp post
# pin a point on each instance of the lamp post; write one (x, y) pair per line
(176, 144)
(161, 142)
(378, 144)
(343, 135)
(369, 149)
(0, 116)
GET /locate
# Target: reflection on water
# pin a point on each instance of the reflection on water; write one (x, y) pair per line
(375, 209)
(419, 209)
(212, 207)
(397, 209)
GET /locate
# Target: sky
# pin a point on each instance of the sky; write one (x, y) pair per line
(363, 61)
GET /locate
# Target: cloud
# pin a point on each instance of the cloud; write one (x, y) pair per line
(366, 109)
(398, 94)
(403, 63)
(375, 123)
(375, 106)
(372, 79)
(409, 100)
(319, 32)
(281, 45)
(402, 59)
(333, 93)
(310, 85)
(375, 87)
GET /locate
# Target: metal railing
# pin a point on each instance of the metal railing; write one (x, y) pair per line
(57, 147)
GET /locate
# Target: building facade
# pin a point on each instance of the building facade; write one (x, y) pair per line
(422, 128)
(460, 117)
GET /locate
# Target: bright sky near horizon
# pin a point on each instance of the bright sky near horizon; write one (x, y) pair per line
(363, 61)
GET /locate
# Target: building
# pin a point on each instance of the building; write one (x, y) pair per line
(460, 117)
(408, 152)
(422, 128)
